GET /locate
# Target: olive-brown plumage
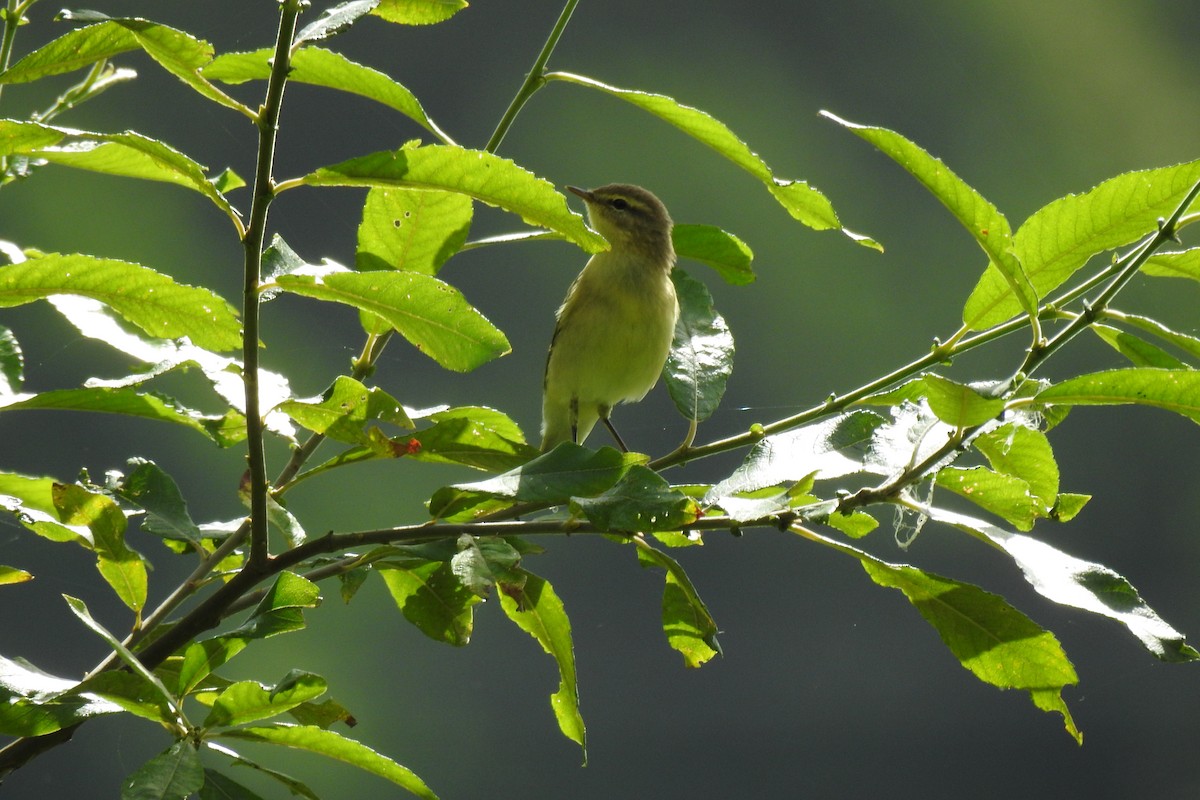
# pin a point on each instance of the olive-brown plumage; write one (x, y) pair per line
(615, 327)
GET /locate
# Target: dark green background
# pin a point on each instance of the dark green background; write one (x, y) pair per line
(830, 686)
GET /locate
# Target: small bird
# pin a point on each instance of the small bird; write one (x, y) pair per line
(614, 330)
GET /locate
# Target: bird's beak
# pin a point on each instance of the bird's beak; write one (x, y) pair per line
(586, 194)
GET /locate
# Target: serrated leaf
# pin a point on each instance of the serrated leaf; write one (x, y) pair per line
(537, 610)
(333, 745)
(148, 299)
(151, 489)
(177, 52)
(1138, 351)
(224, 430)
(960, 405)
(1060, 237)
(431, 314)
(567, 471)
(690, 629)
(175, 773)
(80, 610)
(334, 20)
(411, 229)
(724, 252)
(418, 12)
(1185, 342)
(476, 437)
(912, 435)
(127, 155)
(1081, 584)
(802, 202)
(640, 501)
(96, 321)
(1170, 389)
(343, 411)
(34, 703)
(250, 701)
(129, 691)
(831, 448)
(1174, 264)
(701, 357)
(297, 788)
(432, 598)
(202, 657)
(122, 568)
(1024, 453)
(982, 220)
(989, 637)
(1003, 495)
(483, 176)
(320, 67)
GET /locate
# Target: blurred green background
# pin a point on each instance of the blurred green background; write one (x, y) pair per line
(830, 686)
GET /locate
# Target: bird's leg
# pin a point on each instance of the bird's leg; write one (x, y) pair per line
(608, 424)
(574, 420)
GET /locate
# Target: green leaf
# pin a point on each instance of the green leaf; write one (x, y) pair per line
(1081, 584)
(411, 229)
(483, 560)
(1185, 342)
(640, 501)
(431, 314)
(993, 640)
(483, 176)
(154, 491)
(1139, 352)
(81, 611)
(336, 746)
(477, 437)
(960, 405)
(334, 20)
(701, 358)
(802, 201)
(34, 703)
(177, 52)
(162, 356)
(148, 299)
(175, 773)
(249, 701)
(537, 610)
(1060, 237)
(724, 252)
(982, 220)
(1003, 495)
(567, 471)
(432, 598)
(202, 657)
(12, 363)
(128, 155)
(131, 692)
(218, 786)
(11, 575)
(224, 430)
(297, 788)
(122, 568)
(344, 409)
(1024, 453)
(690, 629)
(1171, 389)
(319, 67)
(1174, 264)
(418, 12)
(832, 448)
(281, 608)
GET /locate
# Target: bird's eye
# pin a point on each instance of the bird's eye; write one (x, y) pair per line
(620, 203)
